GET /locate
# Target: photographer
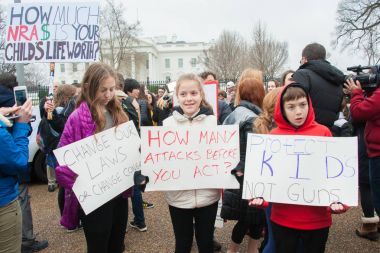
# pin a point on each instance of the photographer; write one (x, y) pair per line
(163, 109)
(13, 164)
(368, 109)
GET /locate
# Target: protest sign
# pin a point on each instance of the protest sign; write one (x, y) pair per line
(105, 164)
(52, 32)
(304, 170)
(193, 157)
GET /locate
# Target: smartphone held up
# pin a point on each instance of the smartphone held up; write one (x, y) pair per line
(20, 93)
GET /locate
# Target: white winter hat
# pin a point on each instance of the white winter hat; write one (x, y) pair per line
(230, 84)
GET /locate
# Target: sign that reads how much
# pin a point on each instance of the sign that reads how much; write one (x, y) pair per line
(52, 32)
(183, 158)
(304, 170)
(105, 164)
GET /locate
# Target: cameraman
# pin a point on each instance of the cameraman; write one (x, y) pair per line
(368, 109)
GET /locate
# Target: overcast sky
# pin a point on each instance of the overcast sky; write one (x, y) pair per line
(298, 22)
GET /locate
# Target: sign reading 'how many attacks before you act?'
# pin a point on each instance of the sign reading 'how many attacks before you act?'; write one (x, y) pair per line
(52, 32)
(191, 157)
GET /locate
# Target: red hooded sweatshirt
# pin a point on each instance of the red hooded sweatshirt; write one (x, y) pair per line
(299, 216)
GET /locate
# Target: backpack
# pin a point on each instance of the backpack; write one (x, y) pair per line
(47, 138)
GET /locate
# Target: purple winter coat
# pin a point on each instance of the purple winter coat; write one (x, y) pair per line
(78, 126)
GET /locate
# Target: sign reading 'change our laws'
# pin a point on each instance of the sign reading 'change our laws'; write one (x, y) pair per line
(193, 157)
(304, 170)
(105, 164)
(52, 32)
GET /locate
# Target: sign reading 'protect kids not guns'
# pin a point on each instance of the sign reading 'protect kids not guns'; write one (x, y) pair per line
(303, 170)
(184, 158)
(52, 32)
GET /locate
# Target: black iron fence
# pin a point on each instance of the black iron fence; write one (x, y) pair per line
(37, 92)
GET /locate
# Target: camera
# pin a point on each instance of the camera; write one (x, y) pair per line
(369, 80)
(169, 100)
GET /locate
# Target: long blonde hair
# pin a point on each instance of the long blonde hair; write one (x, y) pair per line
(263, 124)
(193, 77)
(92, 79)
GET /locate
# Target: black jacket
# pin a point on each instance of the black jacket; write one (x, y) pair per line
(243, 115)
(324, 83)
(146, 117)
(224, 110)
(159, 115)
(128, 108)
(6, 97)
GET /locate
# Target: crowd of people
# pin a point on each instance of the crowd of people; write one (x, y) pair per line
(310, 101)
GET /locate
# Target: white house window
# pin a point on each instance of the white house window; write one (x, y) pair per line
(75, 67)
(193, 62)
(180, 63)
(167, 63)
(63, 82)
(86, 65)
(147, 64)
(62, 67)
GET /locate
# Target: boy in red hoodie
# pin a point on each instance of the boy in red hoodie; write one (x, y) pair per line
(294, 115)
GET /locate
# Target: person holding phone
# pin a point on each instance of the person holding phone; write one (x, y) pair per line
(7, 100)
(13, 164)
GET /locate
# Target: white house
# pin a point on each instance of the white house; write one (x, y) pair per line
(154, 59)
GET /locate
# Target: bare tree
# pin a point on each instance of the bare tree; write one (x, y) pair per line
(358, 27)
(117, 35)
(266, 53)
(227, 57)
(4, 67)
(37, 74)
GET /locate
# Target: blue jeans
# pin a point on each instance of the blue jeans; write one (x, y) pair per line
(137, 206)
(374, 177)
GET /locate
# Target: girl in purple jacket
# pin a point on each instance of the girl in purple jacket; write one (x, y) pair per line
(97, 110)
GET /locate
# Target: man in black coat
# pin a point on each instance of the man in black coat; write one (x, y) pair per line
(323, 82)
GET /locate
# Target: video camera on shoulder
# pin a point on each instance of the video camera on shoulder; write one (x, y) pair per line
(369, 80)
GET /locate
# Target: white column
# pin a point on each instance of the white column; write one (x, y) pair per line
(133, 66)
(150, 73)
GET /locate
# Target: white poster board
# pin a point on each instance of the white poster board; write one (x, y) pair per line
(105, 164)
(211, 93)
(184, 158)
(304, 170)
(52, 32)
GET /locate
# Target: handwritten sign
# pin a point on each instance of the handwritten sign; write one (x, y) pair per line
(304, 170)
(193, 157)
(52, 32)
(105, 163)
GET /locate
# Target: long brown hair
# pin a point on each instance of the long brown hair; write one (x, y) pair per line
(195, 78)
(92, 79)
(63, 94)
(262, 125)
